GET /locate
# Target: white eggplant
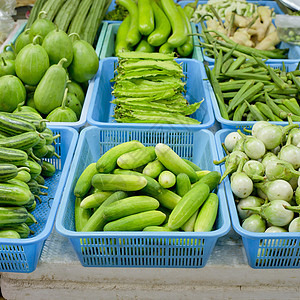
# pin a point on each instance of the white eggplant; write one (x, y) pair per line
(250, 201)
(275, 229)
(231, 140)
(295, 225)
(291, 154)
(267, 157)
(258, 126)
(254, 223)
(280, 169)
(254, 169)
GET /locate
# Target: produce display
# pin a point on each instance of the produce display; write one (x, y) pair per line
(223, 8)
(26, 145)
(148, 89)
(44, 62)
(72, 16)
(137, 188)
(154, 26)
(265, 168)
(251, 90)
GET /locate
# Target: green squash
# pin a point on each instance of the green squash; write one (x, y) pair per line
(8, 54)
(12, 93)
(23, 108)
(41, 26)
(22, 40)
(50, 91)
(76, 89)
(7, 67)
(31, 63)
(58, 45)
(74, 104)
(63, 113)
(85, 62)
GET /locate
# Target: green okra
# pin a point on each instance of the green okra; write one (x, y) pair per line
(275, 108)
(239, 112)
(292, 105)
(237, 63)
(296, 81)
(277, 80)
(258, 116)
(265, 110)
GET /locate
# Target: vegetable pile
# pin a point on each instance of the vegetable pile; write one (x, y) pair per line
(153, 26)
(250, 90)
(117, 14)
(148, 89)
(223, 8)
(265, 169)
(72, 16)
(133, 188)
(26, 146)
(42, 64)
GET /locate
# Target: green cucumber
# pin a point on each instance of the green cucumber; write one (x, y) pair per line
(96, 222)
(174, 162)
(35, 168)
(18, 183)
(94, 200)
(153, 168)
(81, 215)
(48, 169)
(33, 118)
(156, 228)
(212, 179)
(202, 173)
(22, 229)
(208, 214)
(23, 176)
(108, 161)
(167, 179)
(9, 171)
(84, 181)
(9, 234)
(136, 158)
(21, 141)
(13, 156)
(129, 206)
(136, 221)
(188, 205)
(40, 152)
(14, 195)
(190, 223)
(13, 125)
(13, 215)
(183, 184)
(153, 188)
(194, 166)
(114, 182)
(168, 198)
(31, 219)
(40, 179)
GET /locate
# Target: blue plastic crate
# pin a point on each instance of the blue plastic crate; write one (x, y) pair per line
(101, 110)
(141, 249)
(294, 50)
(98, 47)
(290, 66)
(22, 255)
(263, 250)
(108, 49)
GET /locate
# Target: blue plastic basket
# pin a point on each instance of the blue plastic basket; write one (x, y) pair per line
(141, 249)
(294, 50)
(264, 250)
(108, 49)
(22, 255)
(98, 47)
(290, 66)
(101, 109)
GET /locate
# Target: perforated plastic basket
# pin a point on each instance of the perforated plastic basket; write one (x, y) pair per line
(98, 47)
(101, 109)
(294, 51)
(240, 124)
(22, 255)
(141, 249)
(108, 48)
(264, 250)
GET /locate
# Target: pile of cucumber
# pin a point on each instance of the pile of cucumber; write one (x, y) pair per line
(155, 26)
(42, 63)
(24, 144)
(137, 188)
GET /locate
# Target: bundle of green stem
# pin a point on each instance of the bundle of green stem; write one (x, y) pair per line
(212, 45)
(149, 89)
(250, 90)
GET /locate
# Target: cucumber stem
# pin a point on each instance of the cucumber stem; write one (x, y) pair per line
(56, 136)
(39, 198)
(76, 34)
(24, 169)
(56, 155)
(61, 62)
(34, 42)
(43, 187)
(42, 13)
(63, 105)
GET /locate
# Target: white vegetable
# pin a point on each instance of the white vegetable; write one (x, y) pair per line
(250, 201)
(257, 126)
(241, 184)
(230, 140)
(254, 223)
(254, 148)
(275, 229)
(291, 154)
(295, 225)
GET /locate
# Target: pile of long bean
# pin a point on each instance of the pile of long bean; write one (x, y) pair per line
(250, 90)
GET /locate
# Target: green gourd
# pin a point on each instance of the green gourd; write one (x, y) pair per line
(41, 26)
(12, 93)
(22, 40)
(7, 67)
(85, 61)
(58, 45)
(63, 113)
(30, 100)
(31, 63)
(50, 91)
(8, 54)
(23, 108)
(74, 104)
(76, 89)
